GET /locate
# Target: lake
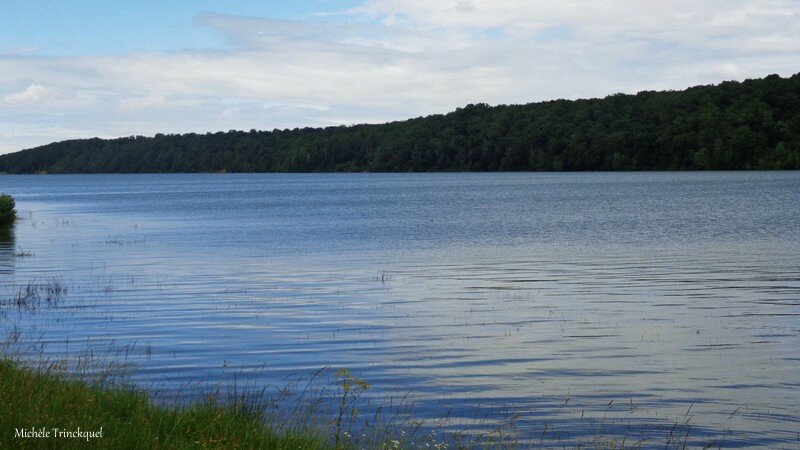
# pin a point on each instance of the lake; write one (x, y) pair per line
(561, 305)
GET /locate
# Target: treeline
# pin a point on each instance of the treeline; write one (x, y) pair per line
(753, 124)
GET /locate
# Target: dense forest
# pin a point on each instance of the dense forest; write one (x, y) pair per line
(753, 124)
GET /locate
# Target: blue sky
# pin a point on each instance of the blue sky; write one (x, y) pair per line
(78, 27)
(82, 68)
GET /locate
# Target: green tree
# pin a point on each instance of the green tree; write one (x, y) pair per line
(734, 125)
(7, 212)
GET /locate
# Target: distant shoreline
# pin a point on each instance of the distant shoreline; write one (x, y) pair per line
(408, 173)
(731, 126)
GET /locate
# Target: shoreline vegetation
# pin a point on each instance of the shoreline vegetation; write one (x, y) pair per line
(45, 410)
(8, 213)
(48, 406)
(754, 124)
(84, 401)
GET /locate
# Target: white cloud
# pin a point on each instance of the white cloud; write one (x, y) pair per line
(21, 135)
(390, 59)
(34, 93)
(139, 103)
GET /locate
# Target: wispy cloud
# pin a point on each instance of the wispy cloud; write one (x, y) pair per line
(389, 59)
(140, 103)
(34, 93)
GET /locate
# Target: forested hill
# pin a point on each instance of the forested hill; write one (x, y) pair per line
(753, 124)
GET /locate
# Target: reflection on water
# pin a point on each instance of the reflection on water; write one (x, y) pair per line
(6, 252)
(617, 304)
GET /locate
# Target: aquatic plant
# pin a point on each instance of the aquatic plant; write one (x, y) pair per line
(34, 294)
(331, 409)
(350, 389)
(7, 212)
(20, 253)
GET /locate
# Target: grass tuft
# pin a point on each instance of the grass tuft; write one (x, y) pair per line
(36, 399)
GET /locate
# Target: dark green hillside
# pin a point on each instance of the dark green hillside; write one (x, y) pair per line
(753, 124)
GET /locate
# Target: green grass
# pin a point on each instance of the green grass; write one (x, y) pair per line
(35, 399)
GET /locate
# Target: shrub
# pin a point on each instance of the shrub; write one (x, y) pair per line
(7, 212)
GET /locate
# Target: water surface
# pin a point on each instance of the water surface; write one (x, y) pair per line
(606, 303)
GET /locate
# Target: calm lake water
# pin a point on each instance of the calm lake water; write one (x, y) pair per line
(574, 304)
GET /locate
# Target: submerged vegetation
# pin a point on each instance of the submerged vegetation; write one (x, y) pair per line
(753, 124)
(87, 393)
(7, 212)
(47, 407)
(34, 294)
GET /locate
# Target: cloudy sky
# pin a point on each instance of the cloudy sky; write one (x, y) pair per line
(81, 68)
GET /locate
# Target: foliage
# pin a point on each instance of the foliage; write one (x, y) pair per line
(350, 389)
(35, 400)
(753, 124)
(7, 212)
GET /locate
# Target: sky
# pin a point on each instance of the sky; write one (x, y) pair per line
(80, 68)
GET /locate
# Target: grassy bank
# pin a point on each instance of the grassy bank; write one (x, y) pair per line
(35, 400)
